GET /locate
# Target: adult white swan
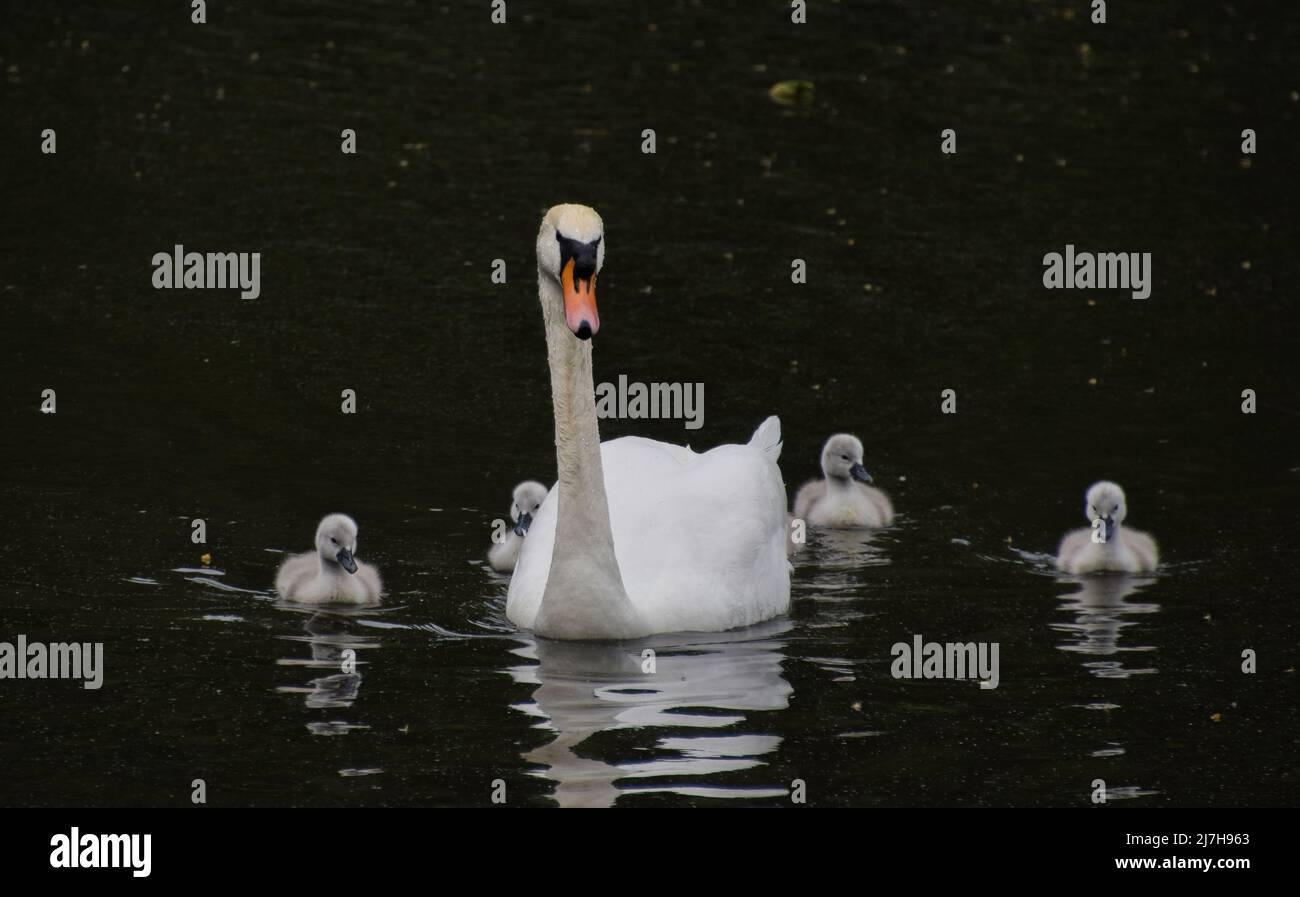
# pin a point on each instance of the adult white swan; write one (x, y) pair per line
(638, 536)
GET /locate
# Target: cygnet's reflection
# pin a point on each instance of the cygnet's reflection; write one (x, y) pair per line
(831, 570)
(833, 574)
(583, 688)
(843, 549)
(1100, 606)
(328, 637)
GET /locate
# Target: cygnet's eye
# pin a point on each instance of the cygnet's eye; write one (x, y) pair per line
(334, 540)
(845, 457)
(535, 507)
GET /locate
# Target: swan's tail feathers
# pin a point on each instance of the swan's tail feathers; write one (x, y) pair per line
(767, 438)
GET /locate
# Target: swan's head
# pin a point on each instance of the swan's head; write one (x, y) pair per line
(571, 249)
(528, 499)
(842, 458)
(336, 541)
(1105, 501)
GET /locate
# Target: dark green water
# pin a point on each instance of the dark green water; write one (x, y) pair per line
(176, 404)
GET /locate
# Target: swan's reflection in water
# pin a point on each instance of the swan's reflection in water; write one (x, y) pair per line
(1100, 606)
(700, 681)
(327, 637)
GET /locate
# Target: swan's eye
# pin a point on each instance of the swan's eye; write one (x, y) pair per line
(845, 457)
(583, 255)
(535, 507)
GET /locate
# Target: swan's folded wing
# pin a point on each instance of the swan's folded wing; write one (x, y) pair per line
(767, 438)
(651, 454)
(701, 545)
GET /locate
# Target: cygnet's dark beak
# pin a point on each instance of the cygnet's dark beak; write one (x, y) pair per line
(522, 524)
(859, 473)
(1110, 528)
(345, 558)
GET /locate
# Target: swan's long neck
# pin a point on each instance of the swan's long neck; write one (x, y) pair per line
(584, 597)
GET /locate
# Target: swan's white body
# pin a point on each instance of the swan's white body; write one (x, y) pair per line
(699, 538)
(637, 536)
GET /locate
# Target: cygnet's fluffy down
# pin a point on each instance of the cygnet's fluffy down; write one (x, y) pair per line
(331, 573)
(525, 502)
(844, 499)
(1107, 546)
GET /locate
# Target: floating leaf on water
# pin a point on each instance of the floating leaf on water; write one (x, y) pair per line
(792, 93)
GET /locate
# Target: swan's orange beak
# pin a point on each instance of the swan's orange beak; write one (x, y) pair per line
(580, 302)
